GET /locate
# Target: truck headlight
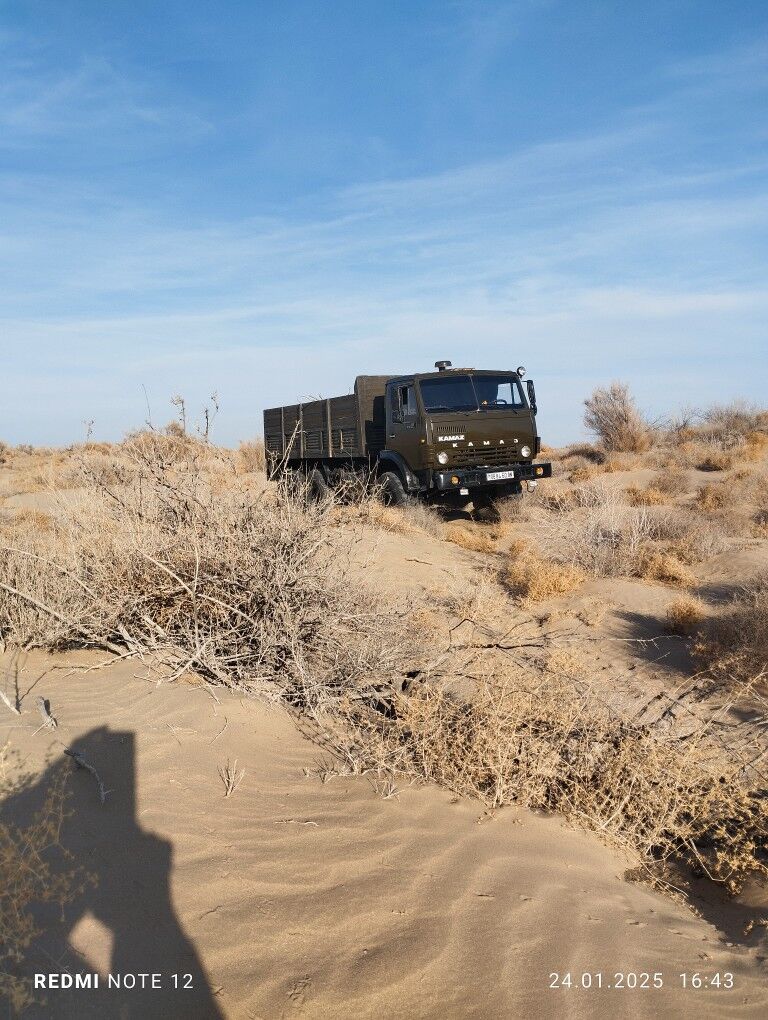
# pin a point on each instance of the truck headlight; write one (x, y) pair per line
(442, 457)
(525, 451)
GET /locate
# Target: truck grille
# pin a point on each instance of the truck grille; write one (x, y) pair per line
(481, 455)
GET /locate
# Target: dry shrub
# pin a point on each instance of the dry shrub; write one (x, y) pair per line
(734, 647)
(532, 578)
(662, 565)
(672, 483)
(36, 870)
(582, 451)
(474, 541)
(651, 496)
(605, 536)
(755, 445)
(251, 457)
(246, 587)
(548, 742)
(721, 437)
(713, 496)
(566, 663)
(760, 524)
(584, 473)
(612, 415)
(479, 599)
(734, 422)
(367, 509)
(684, 615)
(716, 460)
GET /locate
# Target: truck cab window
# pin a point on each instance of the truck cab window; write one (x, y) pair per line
(408, 401)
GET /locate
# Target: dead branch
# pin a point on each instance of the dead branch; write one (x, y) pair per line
(82, 763)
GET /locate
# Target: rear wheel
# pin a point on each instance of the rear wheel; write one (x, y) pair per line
(317, 485)
(392, 489)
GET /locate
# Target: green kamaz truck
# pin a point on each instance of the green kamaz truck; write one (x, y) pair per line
(455, 435)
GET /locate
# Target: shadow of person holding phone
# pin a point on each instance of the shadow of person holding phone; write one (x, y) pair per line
(130, 897)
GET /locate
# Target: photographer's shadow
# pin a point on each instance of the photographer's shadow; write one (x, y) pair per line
(130, 897)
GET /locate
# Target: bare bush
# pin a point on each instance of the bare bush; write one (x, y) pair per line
(685, 615)
(36, 870)
(733, 423)
(734, 646)
(612, 415)
(533, 579)
(473, 541)
(243, 585)
(650, 496)
(251, 456)
(603, 535)
(548, 742)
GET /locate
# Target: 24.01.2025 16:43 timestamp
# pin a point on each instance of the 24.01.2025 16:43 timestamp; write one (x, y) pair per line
(641, 980)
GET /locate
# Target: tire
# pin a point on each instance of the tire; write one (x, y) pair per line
(392, 489)
(317, 487)
(486, 509)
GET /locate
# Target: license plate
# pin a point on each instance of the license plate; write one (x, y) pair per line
(498, 476)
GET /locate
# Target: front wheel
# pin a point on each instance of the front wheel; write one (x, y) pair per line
(486, 509)
(392, 489)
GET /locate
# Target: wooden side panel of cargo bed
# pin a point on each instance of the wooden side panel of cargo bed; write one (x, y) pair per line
(319, 429)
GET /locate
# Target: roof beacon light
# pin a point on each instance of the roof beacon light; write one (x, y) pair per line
(521, 370)
(442, 365)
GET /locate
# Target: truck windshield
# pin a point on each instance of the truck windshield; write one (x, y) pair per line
(472, 393)
(454, 393)
(496, 392)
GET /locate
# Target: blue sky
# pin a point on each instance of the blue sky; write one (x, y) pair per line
(268, 198)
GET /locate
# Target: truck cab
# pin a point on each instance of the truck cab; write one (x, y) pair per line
(463, 432)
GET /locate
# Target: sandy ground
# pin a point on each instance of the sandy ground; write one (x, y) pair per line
(300, 898)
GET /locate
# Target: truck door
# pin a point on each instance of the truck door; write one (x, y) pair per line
(402, 420)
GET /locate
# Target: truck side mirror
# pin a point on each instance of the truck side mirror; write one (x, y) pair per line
(531, 394)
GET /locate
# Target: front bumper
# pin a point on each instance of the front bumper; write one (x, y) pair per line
(476, 477)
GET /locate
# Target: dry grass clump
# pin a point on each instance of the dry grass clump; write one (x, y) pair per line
(473, 541)
(734, 647)
(584, 473)
(245, 587)
(685, 615)
(36, 870)
(604, 535)
(650, 496)
(672, 483)
(367, 509)
(251, 456)
(720, 438)
(662, 565)
(532, 578)
(548, 742)
(712, 459)
(713, 496)
(612, 415)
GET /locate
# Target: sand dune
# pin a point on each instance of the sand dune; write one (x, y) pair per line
(300, 898)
